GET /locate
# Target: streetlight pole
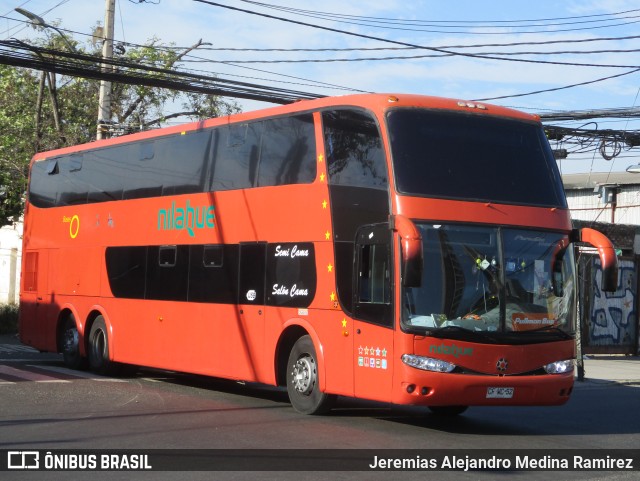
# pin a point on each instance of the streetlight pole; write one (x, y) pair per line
(38, 21)
(104, 97)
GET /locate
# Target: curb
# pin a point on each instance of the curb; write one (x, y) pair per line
(596, 383)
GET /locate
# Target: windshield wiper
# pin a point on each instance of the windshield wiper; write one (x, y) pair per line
(460, 333)
(553, 329)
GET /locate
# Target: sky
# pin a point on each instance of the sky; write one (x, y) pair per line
(547, 31)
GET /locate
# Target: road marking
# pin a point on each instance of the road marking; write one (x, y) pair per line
(28, 375)
(52, 374)
(78, 374)
(12, 348)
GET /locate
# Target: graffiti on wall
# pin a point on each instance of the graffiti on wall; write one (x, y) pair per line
(613, 316)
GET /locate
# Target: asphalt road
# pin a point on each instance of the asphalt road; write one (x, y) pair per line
(45, 406)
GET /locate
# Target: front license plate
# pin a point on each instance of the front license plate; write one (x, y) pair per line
(500, 392)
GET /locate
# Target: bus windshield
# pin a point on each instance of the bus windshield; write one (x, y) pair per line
(492, 280)
(453, 155)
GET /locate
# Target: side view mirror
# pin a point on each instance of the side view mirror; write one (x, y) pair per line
(607, 254)
(411, 249)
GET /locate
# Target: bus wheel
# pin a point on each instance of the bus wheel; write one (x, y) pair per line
(98, 349)
(448, 410)
(71, 344)
(302, 380)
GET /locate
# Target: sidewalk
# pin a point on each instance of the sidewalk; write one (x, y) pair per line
(603, 369)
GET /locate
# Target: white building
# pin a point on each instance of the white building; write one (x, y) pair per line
(10, 256)
(612, 198)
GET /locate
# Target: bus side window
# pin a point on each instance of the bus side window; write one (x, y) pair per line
(287, 151)
(167, 256)
(213, 256)
(373, 279)
(235, 162)
(374, 274)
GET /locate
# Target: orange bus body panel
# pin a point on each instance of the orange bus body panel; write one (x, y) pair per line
(65, 249)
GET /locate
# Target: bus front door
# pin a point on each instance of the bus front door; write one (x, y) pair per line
(373, 340)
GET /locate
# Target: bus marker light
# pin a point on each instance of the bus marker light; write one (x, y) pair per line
(393, 98)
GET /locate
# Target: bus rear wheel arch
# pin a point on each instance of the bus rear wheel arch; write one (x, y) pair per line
(302, 379)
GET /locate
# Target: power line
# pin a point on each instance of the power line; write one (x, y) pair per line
(555, 89)
(471, 22)
(20, 54)
(307, 82)
(367, 49)
(392, 24)
(415, 57)
(406, 44)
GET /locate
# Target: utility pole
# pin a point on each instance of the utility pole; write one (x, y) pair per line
(104, 99)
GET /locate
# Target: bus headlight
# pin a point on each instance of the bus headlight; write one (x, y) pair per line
(559, 367)
(427, 363)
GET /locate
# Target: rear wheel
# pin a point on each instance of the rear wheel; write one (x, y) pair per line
(71, 344)
(303, 381)
(448, 410)
(98, 349)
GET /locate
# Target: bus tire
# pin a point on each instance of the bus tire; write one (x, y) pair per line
(448, 411)
(70, 344)
(303, 381)
(98, 349)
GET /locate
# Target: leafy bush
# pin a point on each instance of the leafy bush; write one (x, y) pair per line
(8, 319)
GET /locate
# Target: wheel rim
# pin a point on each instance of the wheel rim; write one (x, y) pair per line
(304, 375)
(70, 341)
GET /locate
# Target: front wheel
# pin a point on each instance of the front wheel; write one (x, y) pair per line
(98, 349)
(303, 381)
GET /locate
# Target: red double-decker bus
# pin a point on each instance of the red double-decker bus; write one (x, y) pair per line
(398, 248)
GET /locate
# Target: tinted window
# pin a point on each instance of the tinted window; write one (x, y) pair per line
(474, 157)
(355, 156)
(236, 156)
(180, 162)
(288, 150)
(235, 163)
(43, 188)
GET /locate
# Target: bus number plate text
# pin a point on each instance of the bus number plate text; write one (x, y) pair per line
(500, 392)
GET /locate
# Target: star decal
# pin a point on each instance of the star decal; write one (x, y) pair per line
(324, 204)
(327, 235)
(329, 268)
(344, 323)
(321, 158)
(322, 177)
(333, 296)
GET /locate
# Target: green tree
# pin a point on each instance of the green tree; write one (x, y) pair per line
(40, 111)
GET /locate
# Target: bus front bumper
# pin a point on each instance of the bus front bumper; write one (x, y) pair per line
(449, 389)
